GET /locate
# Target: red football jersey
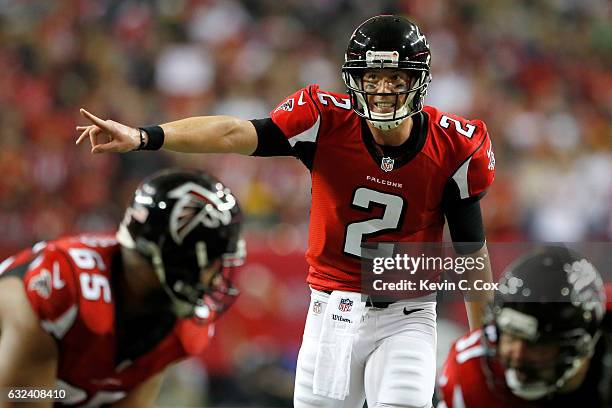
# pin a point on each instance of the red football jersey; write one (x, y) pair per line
(69, 285)
(463, 382)
(470, 379)
(359, 194)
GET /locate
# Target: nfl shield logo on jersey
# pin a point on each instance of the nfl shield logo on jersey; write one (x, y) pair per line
(387, 164)
(345, 305)
(317, 307)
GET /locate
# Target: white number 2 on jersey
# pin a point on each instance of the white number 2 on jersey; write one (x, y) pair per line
(363, 198)
(467, 132)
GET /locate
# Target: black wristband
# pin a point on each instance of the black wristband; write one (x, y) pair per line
(156, 137)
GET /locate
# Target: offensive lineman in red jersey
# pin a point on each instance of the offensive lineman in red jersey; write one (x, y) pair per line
(548, 343)
(384, 168)
(100, 317)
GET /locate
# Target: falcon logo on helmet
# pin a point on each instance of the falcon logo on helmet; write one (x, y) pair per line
(196, 205)
(187, 223)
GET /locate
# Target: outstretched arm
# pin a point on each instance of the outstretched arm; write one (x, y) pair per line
(202, 134)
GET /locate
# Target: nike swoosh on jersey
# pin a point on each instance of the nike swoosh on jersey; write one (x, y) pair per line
(301, 99)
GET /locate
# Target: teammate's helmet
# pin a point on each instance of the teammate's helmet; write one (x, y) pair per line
(390, 42)
(185, 222)
(551, 296)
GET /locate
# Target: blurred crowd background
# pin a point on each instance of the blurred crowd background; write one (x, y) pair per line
(538, 73)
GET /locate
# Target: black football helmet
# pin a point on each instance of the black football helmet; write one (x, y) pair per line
(551, 296)
(387, 42)
(184, 223)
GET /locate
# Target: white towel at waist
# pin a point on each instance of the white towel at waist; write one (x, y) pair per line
(342, 318)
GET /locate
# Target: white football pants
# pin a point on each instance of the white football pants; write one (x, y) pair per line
(393, 360)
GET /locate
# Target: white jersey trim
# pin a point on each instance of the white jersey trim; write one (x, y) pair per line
(461, 178)
(5, 264)
(309, 135)
(60, 326)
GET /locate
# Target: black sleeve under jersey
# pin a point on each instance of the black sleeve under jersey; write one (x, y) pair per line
(464, 220)
(270, 139)
(272, 142)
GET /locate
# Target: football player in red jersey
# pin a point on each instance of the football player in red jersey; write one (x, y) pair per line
(100, 317)
(548, 343)
(384, 167)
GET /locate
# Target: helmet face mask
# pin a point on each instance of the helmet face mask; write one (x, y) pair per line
(387, 43)
(544, 366)
(207, 297)
(405, 102)
(187, 225)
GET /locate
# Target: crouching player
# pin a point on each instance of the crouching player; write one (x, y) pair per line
(547, 344)
(99, 317)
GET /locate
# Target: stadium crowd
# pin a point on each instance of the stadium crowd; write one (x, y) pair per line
(537, 72)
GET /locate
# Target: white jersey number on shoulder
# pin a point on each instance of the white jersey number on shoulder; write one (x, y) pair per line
(469, 347)
(344, 103)
(93, 286)
(467, 132)
(87, 258)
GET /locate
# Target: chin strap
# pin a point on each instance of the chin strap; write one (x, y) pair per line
(540, 389)
(529, 392)
(386, 125)
(384, 121)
